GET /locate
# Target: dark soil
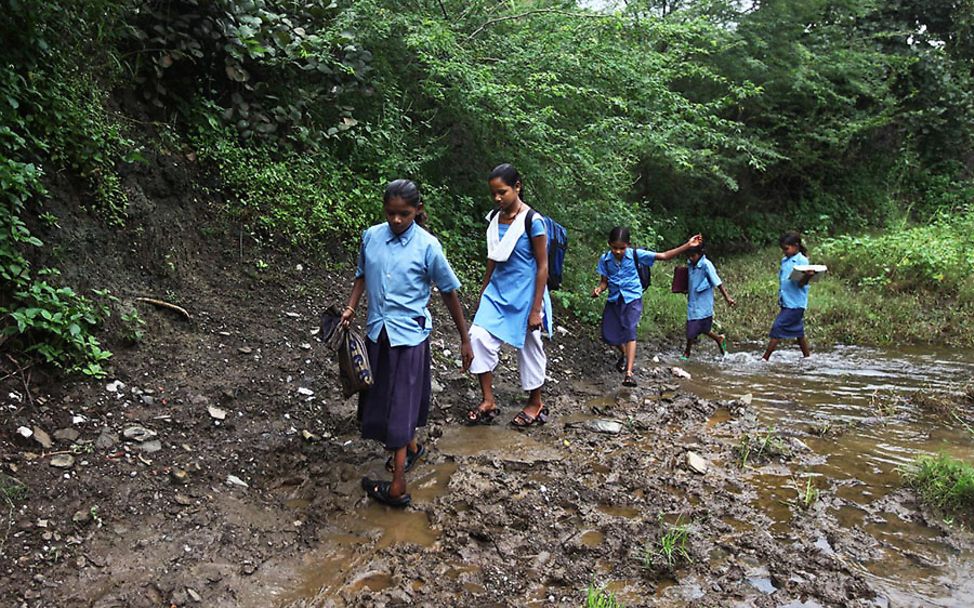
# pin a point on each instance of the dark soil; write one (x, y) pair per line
(501, 517)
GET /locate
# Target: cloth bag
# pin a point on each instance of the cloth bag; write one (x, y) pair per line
(354, 370)
(681, 280)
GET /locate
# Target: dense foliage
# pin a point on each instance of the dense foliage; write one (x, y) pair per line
(735, 119)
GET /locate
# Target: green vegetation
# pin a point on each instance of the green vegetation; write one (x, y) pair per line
(670, 550)
(669, 117)
(842, 308)
(807, 493)
(598, 597)
(943, 482)
(760, 448)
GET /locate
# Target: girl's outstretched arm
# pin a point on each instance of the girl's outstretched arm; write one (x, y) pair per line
(358, 288)
(694, 241)
(452, 301)
(603, 285)
(540, 246)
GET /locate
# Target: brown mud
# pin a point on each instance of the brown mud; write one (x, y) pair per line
(246, 491)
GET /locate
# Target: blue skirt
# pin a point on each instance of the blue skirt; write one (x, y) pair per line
(620, 321)
(790, 323)
(399, 400)
(695, 327)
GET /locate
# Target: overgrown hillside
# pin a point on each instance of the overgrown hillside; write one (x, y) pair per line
(829, 117)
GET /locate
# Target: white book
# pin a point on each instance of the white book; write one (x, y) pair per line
(798, 271)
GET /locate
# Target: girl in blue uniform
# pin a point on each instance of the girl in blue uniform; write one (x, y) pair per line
(702, 280)
(792, 295)
(514, 304)
(624, 307)
(398, 261)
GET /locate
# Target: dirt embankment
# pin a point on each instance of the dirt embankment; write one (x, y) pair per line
(219, 466)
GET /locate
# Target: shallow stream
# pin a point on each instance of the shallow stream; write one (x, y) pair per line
(853, 397)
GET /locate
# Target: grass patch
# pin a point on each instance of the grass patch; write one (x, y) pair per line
(943, 482)
(760, 448)
(599, 597)
(670, 550)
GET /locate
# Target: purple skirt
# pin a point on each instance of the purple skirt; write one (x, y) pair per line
(620, 321)
(399, 399)
(695, 327)
(790, 323)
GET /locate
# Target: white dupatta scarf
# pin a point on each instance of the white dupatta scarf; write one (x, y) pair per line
(500, 249)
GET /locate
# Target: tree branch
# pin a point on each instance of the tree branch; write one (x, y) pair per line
(538, 11)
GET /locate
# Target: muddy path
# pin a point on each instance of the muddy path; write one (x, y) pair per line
(219, 466)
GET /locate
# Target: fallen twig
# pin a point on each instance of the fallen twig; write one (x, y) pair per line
(163, 304)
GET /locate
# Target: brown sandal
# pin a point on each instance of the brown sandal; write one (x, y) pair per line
(481, 416)
(524, 419)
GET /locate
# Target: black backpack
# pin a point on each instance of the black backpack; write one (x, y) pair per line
(645, 272)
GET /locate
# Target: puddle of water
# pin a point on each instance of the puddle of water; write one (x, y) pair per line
(720, 416)
(374, 582)
(494, 442)
(852, 391)
(619, 511)
(593, 538)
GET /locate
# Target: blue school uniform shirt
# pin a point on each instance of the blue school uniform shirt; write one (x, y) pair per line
(703, 280)
(399, 271)
(790, 295)
(505, 307)
(622, 274)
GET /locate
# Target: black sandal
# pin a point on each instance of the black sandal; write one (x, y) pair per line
(379, 492)
(478, 416)
(524, 419)
(411, 458)
(629, 381)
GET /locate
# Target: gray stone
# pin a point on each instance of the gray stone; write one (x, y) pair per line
(679, 372)
(41, 437)
(234, 480)
(697, 463)
(138, 433)
(148, 400)
(183, 500)
(216, 413)
(81, 516)
(245, 350)
(150, 447)
(436, 387)
(69, 435)
(106, 440)
(746, 399)
(62, 461)
(609, 427)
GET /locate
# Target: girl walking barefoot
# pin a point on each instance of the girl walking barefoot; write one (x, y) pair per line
(398, 261)
(620, 276)
(792, 295)
(514, 303)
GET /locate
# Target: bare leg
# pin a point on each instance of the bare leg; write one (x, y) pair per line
(630, 350)
(398, 487)
(803, 344)
(487, 403)
(686, 351)
(773, 344)
(534, 403)
(719, 339)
